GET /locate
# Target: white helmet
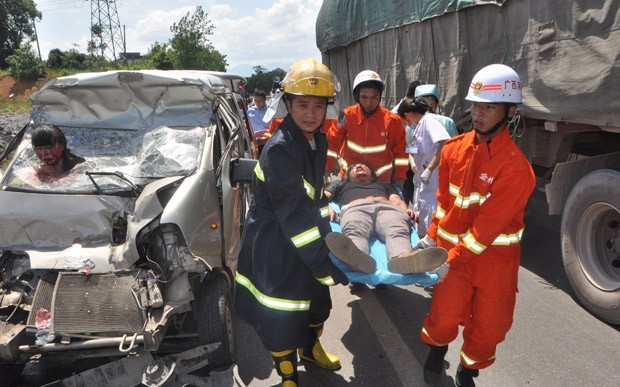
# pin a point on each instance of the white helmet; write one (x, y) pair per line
(496, 83)
(367, 76)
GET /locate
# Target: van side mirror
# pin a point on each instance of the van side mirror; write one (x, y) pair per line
(242, 170)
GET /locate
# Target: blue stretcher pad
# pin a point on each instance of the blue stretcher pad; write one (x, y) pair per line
(382, 275)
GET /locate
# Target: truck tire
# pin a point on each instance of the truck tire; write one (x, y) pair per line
(215, 319)
(590, 236)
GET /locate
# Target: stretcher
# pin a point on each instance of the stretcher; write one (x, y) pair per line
(382, 275)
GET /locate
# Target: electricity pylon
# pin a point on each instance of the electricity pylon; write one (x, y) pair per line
(105, 30)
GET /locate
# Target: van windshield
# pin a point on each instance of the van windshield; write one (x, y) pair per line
(141, 156)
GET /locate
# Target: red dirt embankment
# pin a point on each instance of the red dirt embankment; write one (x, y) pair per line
(16, 88)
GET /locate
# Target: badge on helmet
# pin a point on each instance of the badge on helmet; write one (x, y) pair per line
(496, 83)
(312, 78)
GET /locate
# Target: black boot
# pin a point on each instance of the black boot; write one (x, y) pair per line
(286, 366)
(465, 376)
(434, 363)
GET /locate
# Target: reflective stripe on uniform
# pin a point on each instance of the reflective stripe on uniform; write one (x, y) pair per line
(469, 361)
(306, 237)
(465, 201)
(324, 212)
(425, 333)
(452, 238)
(384, 169)
(329, 281)
(401, 162)
(473, 245)
(258, 171)
(272, 302)
(439, 212)
(331, 153)
(508, 239)
(309, 188)
(365, 150)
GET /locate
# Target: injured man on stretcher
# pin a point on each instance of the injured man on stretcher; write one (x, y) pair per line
(374, 210)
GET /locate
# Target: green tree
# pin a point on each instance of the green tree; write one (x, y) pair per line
(190, 45)
(25, 64)
(16, 26)
(159, 56)
(263, 79)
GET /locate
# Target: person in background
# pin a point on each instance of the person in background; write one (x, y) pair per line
(408, 188)
(257, 111)
(410, 93)
(50, 146)
(370, 134)
(484, 184)
(425, 150)
(284, 271)
(430, 95)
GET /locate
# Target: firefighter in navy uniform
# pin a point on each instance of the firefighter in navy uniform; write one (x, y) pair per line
(284, 272)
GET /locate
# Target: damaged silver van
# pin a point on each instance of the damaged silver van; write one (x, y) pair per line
(133, 251)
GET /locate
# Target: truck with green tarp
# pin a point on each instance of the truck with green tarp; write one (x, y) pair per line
(567, 54)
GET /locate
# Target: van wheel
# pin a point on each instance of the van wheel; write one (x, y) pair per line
(215, 319)
(591, 243)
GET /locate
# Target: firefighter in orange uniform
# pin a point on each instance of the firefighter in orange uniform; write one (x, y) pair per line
(284, 271)
(371, 134)
(484, 184)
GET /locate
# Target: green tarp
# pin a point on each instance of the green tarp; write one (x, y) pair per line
(567, 53)
(341, 22)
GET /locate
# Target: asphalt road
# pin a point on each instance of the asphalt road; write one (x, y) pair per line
(553, 341)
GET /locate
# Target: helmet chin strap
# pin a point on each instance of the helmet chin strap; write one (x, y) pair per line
(494, 129)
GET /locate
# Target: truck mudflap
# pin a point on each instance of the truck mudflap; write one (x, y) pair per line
(169, 371)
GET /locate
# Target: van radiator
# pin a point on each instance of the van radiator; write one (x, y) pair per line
(93, 304)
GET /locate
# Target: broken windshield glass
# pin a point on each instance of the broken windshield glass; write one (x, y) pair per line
(140, 156)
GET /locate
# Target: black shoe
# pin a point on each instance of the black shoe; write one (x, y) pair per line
(356, 287)
(345, 250)
(434, 364)
(380, 286)
(465, 376)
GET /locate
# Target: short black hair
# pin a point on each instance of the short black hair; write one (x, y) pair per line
(411, 89)
(414, 105)
(373, 174)
(48, 134)
(260, 93)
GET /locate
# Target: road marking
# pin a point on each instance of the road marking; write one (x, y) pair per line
(407, 367)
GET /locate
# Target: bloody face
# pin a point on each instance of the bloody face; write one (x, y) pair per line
(360, 173)
(50, 154)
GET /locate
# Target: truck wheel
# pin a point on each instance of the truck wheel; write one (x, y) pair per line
(215, 319)
(591, 243)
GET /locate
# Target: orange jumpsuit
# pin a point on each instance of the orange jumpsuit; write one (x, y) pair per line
(483, 190)
(378, 141)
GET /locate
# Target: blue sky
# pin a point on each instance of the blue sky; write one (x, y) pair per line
(270, 33)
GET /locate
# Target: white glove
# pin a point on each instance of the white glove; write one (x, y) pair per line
(424, 243)
(441, 271)
(426, 176)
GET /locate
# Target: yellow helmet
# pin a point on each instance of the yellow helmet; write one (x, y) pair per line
(312, 78)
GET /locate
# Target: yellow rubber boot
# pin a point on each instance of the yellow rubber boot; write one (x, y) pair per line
(315, 352)
(286, 366)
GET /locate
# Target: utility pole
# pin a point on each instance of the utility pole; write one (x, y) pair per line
(105, 27)
(36, 34)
